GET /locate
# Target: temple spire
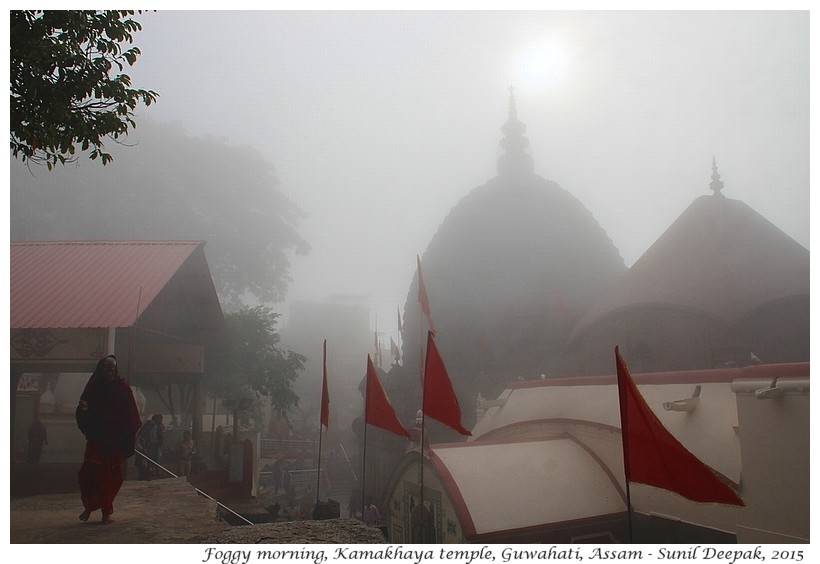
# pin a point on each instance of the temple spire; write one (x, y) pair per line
(716, 184)
(514, 160)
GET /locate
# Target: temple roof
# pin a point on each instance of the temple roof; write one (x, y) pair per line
(507, 264)
(720, 258)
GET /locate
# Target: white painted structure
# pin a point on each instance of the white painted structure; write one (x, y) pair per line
(545, 462)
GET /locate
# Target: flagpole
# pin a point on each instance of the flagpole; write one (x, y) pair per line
(364, 447)
(422, 297)
(321, 417)
(421, 382)
(421, 431)
(629, 512)
(624, 445)
(421, 461)
(364, 465)
(319, 464)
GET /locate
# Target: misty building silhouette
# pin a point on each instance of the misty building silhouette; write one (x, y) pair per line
(721, 284)
(523, 281)
(514, 265)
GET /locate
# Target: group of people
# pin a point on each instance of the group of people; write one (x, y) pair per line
(107, 415)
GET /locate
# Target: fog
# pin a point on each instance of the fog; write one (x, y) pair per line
(378, 123)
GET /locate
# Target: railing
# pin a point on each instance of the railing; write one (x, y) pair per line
(284, 448)
(200, 492)
(302, 480)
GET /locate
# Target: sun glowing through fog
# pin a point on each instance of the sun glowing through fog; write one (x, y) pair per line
(544, 64)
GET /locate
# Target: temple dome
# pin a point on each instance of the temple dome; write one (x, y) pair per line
(511, 269)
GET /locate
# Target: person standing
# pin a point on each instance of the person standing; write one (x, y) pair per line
(149, 443)
(370, 515)
(37, 437)
(287, 485)
(186, 449)
(157, 432)
(108, 417)
(142, 447)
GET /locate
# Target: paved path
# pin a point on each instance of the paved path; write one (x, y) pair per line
(166, 511)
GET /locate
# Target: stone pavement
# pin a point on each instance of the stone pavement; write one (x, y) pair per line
(167, 511)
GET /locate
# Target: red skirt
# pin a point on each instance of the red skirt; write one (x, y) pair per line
(100, 478)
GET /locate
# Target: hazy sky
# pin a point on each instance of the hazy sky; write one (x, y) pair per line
(378, 123)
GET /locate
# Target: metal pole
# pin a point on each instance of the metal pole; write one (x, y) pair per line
(364, 446)
(421, 472)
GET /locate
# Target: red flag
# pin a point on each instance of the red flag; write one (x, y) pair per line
(440, 401)
(325, 415)
(425, 303)
(378, 411)
(654, 457)
(398, 315)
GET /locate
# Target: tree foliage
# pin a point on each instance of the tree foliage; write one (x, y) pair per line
(168, 388)
(254, 364)
(172, 186)
(67, 85)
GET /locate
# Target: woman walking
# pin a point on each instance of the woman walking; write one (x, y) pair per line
(108, 417)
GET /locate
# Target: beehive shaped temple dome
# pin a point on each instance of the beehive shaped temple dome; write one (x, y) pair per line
(511, 269)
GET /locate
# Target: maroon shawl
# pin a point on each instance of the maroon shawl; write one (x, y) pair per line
(112, 418)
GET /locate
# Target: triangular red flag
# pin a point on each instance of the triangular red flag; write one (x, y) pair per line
(398, 316)
(440, 401)
(378, 411)
(325, 414)
(653, 456)
(423, 300)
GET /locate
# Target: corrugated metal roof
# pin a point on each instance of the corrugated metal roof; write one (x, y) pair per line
(74, 284)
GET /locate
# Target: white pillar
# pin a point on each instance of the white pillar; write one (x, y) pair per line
(109, 345)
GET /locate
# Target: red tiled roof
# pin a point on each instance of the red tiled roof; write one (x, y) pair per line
(74, 284)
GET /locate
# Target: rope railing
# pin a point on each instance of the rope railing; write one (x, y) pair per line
(200, 492)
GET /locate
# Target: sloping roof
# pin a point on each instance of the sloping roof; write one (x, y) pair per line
(720, 257)
(513, 485)
(76, 284)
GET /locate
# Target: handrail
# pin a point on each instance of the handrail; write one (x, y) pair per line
(199, 491)
(347, 458)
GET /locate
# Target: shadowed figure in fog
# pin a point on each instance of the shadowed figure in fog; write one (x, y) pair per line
(186, 449)
(370, 515)
(108, 417)
(37, 437)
